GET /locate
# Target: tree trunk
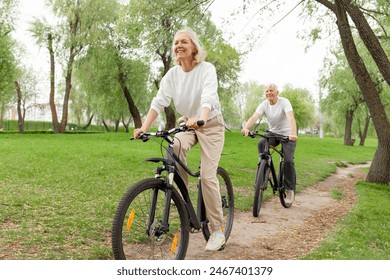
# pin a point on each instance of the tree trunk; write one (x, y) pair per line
(132, 108)
(171, 117)
(363, 135)
(89, 123)
(379, 170)
(126, 91)
(2, 111)
(117, 125)
(52, 103)
(164, 53)
(19, 108)
(369, 38)
(106, 126)
(68, 88)
(125, 124)
(348, 141)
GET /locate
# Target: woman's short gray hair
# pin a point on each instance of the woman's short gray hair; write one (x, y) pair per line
(200, 54)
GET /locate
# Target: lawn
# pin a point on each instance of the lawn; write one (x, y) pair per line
(58, 193)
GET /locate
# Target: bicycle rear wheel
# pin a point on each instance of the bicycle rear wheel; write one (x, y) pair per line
(286, 195)
(261, 182)
(137, 231)
(227, 200)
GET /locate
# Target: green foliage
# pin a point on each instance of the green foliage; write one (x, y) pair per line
(8, 61)
(343, 94)
(252, 95)
(303, 105)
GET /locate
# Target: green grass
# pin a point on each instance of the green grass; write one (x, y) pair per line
(58, 193)
(364, 233)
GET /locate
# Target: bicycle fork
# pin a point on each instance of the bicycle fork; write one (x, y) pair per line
(159, 231)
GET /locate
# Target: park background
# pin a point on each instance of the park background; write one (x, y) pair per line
(59, 190)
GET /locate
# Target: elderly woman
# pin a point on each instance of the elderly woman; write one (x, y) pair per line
(280, 117)
(192, 85)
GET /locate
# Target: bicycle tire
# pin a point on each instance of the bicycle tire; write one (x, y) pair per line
(131, 238)
(261, 182)
(227, 199)
(286, 195)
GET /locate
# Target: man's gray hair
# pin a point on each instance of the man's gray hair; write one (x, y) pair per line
(272, 85)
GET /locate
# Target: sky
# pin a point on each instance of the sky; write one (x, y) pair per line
(278, 57)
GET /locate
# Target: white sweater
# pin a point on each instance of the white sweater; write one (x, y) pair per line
(190, 91)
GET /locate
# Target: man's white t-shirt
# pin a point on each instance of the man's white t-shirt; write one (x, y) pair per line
(190, 91)
(276, 115)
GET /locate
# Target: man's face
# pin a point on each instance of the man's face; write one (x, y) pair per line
(271, 94)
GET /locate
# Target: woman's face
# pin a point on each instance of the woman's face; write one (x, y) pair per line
(183, 47)
(271, 94)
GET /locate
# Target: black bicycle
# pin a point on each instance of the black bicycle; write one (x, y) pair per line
(155, 216)
(266, 174)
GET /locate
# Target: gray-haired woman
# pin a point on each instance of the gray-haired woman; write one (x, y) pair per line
(192, 85)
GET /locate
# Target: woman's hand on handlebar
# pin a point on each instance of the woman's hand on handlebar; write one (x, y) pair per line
(195, 123)
(137, 132)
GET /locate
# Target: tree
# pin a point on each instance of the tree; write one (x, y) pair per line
(303, 105)
(113, 74)
(344, 96)
(252, 95)
(77, 23)
(25, 87)
(8, 64)
(379, 170)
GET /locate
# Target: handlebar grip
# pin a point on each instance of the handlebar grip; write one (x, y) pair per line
(200, 123)
(251, 134)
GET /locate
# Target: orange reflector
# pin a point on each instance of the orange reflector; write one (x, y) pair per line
(174, 243)
(130, 220)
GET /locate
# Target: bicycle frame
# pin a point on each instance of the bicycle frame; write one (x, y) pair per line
(169, 165)
(276, 182)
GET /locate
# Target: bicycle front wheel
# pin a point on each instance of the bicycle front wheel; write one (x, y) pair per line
(137, 230)
(261, 182)
(227, 201)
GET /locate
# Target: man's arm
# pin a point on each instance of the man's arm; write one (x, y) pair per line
(293, 125)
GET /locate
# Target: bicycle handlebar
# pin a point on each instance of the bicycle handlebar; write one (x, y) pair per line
(274, 135)
(144, 136)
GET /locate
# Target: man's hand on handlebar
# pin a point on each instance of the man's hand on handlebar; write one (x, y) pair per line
(245, 131)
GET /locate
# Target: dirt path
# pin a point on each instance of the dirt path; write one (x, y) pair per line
(286, 234)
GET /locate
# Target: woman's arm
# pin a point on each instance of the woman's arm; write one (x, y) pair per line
(152, 115)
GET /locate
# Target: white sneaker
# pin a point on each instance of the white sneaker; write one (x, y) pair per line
(216, 241)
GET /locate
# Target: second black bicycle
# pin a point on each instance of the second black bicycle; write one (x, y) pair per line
(266, 174)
